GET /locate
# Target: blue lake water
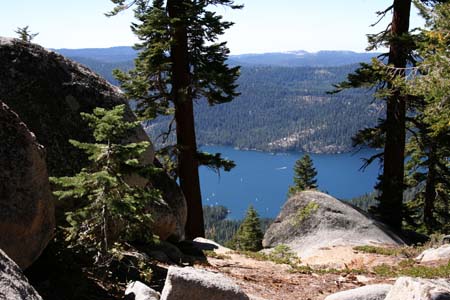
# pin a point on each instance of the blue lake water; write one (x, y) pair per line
(263, 179)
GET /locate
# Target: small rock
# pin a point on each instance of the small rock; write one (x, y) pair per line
(362, 279)
(193, 284)
(136, 290)
(13, 284)
(420, 289)
(368, 292)
(205, 244)
(433, 254)
(446, 239)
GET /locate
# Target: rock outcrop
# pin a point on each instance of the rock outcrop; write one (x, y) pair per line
(27, 218)
(136, 290)
(434, 254)
(312, 220)
(194, 284)
(420, 289)
(368, 292)
(209, 245)
(171, 214)
(13, 284)
(49, 91)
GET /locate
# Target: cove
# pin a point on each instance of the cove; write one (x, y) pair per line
(263, 179)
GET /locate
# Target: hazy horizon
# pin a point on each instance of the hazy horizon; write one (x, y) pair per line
(292, 51)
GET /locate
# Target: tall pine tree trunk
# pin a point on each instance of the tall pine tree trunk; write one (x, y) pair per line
(184, 117)
(392, 185)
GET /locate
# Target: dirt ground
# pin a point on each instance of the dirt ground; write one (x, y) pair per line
(270, 281)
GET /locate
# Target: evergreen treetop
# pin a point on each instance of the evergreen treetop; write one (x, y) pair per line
(249, 235)
(25, 34)
(210, 77)
(304, 175)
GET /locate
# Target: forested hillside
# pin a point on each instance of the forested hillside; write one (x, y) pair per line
(283, 108)
(279, 109)
(303, 58)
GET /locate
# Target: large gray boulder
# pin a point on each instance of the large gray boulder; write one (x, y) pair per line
(420, 289)
(193, 284)
(368, 292)
(49, 91)
(434, 254)
(311, 220)
(27, 218)
(13, 284)
(136, 290)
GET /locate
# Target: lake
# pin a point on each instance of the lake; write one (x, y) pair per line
(263, 179)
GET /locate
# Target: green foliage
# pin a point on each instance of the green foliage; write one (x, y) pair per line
(217, 226)
(365, 201)
(429, 145)
(304, 213)
(221, 229)
(215, 161)
(180, 60)
(110, 211)
(249, 235)
(25, 35)
(150, 82)
(304, 175)
(389, 78)
(281, 254)
(412, 269)
(213, 254)
(390, 251)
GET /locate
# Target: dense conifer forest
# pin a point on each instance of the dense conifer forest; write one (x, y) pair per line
(279, 109)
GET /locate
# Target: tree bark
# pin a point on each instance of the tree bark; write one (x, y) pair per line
(392, 184)
(185, 125)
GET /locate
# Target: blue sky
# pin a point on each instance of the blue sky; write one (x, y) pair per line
(262, 26)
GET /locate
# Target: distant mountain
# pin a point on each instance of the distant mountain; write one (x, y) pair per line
(282, 107)
(299, 58)
(105, 55)
(303, 58)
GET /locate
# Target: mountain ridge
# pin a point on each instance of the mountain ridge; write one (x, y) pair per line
(293, 58)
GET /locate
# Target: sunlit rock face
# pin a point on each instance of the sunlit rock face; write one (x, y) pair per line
(27, 218)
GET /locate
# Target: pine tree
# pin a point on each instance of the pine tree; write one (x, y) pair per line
(25, 35)
(388, 79)
(249, 235)
(390, 133)
(304, 175)
(110, 211)
(429, 146)
(180, 61)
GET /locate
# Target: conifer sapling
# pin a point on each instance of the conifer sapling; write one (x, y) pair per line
(249, 235)
(304, 175)
(111, 211)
